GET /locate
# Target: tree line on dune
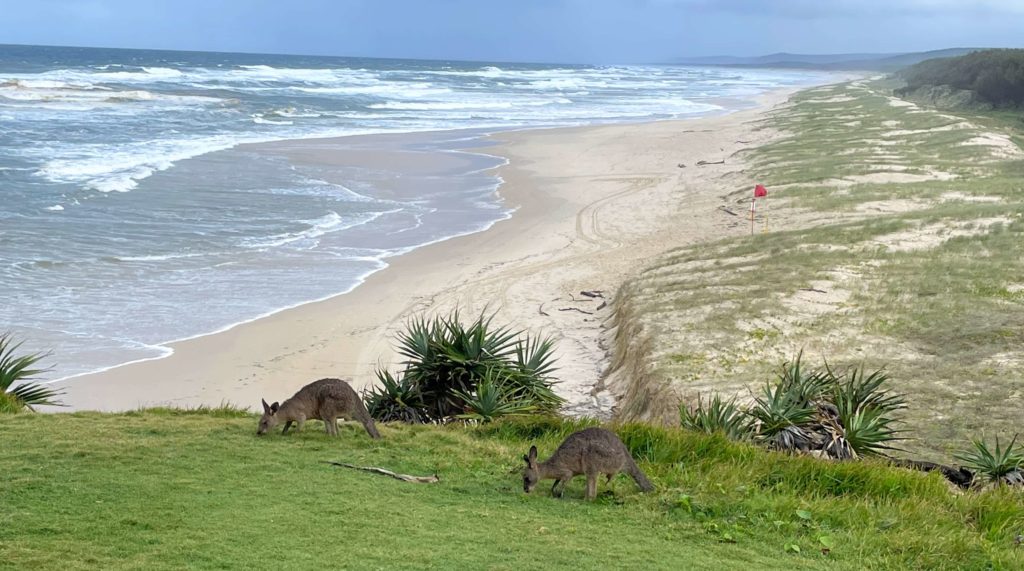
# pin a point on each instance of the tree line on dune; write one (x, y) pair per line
(991, 78)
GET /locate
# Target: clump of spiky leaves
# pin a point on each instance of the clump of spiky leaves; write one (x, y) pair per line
(780, 412)
(16, 378)
(493, 398)
(996, 465)
(445, 361)
(717, 416)
(839, 415)
(804, 387)
(394, 399)
(865, 409)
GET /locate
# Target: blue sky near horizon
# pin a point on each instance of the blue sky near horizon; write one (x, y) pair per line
(584, 31)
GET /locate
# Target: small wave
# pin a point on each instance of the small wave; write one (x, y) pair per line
(157, 257)
(266, 73)
(45, 92)
(261, 120)
(293, 113)
(118, 168)
(439, 106)
(332, 222)
(55, 208)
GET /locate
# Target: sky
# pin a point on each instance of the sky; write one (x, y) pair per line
(580, 31)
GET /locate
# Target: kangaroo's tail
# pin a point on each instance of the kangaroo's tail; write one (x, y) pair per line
(363, 416)
(638, 476)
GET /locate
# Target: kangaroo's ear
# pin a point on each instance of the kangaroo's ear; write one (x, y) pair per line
(266, 407)
(533, 454)
(274, 407)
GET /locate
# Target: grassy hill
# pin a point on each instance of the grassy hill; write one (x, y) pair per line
(168, 489)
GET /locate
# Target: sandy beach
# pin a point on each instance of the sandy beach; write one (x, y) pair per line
(592, 204)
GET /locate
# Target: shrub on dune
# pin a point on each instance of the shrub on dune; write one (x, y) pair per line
(446, 361)
(717, 416)
(996, 465)
(836, 415)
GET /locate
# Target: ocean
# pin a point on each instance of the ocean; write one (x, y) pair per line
(139, 204)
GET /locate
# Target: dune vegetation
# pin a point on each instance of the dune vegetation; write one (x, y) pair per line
(893, 241)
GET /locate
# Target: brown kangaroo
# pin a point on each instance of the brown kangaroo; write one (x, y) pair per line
(326, 400)
(592, 451)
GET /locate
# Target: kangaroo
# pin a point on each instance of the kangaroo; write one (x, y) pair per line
(326, 399)
(592, 451)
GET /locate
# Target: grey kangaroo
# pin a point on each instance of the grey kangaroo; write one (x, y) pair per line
(326, 399)
(592, 451)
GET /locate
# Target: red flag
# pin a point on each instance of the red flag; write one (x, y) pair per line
(760, 191)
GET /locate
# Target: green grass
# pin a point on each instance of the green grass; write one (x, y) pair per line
(946, 319)
(161, 490)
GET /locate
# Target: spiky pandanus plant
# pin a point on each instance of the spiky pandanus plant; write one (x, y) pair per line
(864, 409)
(494, 397)
(446, 360)
(995, 465)
(781, 414)
(717, 415)
(17, 372)
(841, 416)
(395, 399)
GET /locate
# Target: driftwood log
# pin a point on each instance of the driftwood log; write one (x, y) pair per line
(960, 476)
(403, 477)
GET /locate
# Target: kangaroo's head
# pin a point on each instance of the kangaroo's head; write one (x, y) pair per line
(269, 418)
(531, 475)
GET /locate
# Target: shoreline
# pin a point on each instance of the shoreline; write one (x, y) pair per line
(266, 356)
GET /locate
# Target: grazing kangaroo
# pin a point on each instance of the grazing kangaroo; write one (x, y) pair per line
(592, 451)
(326, 399)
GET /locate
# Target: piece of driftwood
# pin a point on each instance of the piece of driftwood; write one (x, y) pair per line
(681, 165)
(742, 142)
(702, 163)
(573, 298)
(960, 476)
(814, 289)
(603, 305)
(403, 477)
(593, 293)
(541, 311)
(575, 309)
(727, 211)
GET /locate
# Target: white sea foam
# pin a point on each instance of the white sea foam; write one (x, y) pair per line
(332, 222)
(160, 257)
(259, 119)
(118, 168)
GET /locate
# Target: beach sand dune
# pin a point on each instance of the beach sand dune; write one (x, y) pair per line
(593, 205)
